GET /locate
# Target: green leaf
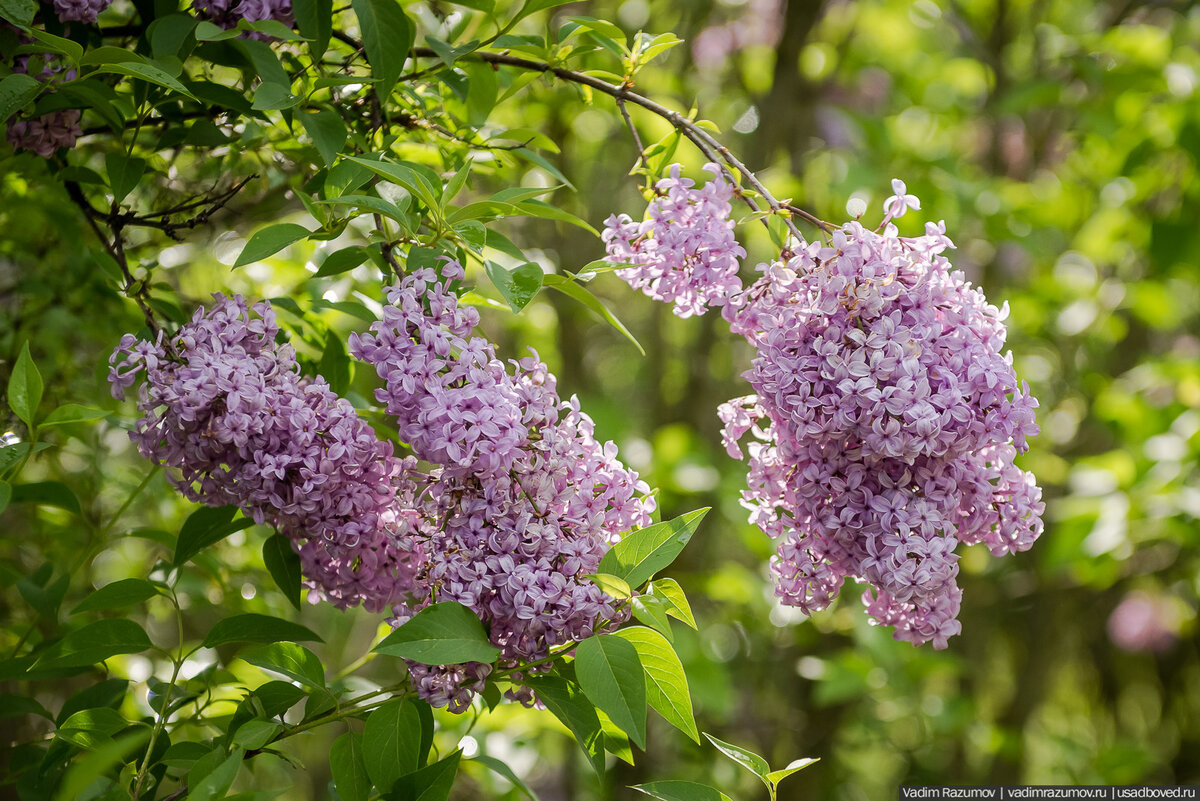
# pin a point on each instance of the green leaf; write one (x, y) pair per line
(117, 595)
(681, 791)
(16, 91)
(404, 175)
(257, 628)
(616, 741)
(445, 633)
(267, 66)
(481, 93)
(743, 756)
(314, 20)
(672, 595)
(91, 728)
(341, 261)
(169, 35)
(611, 675)
(278, 697)
(518, 285)
(25, 387)
(335, 364)
(348, 768)
(207, 526)
(498, 767)
(16, 706)
(643, 552)
(47, 493)
(93, 643)
(653, 612)
(149, 73)
(387, 35)
(293, 661)
(11, 454)
(208, 32)
(613, 586)
(5, 495)
(254, 734)
(269, 241)
(776, 776)
(666, 682)
(123, 174)
(430, 783)
(328, 132)
(72, 50)
(568, 703)
(569, 287)
(72, 413)
(110, 693)
(84, 771)
(217, 783)
(391, 742)
(274, 97)
(283, 564)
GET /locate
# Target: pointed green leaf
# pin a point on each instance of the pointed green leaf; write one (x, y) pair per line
(269, 241)
(568, 703)
(254, 734)
(147, 72)
(292, 660)
(430, 783)
(17, 91)
(643, 552)
(93, 643)
(666, 682)
(328, 132)
(25, 387)
(672, 594)
(257, 628)
(217, 783)
(570, 288)
(613, 586)
(387, 35)
(611, 675)
(348, 768)
(207, 526)
(743, 756)
(72, 413)
(47, 493)
(776, 776)
(283, 563)
(117, 595)
(681, 791)
(445, 633)
(85, 770)
(91, 728)
(391, 741)
(518, 285)
(341, 261)
(314, 20)
(123, 174)
(498, 767)
(653, 612)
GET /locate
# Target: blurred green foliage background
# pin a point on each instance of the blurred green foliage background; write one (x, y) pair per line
(1059, 141)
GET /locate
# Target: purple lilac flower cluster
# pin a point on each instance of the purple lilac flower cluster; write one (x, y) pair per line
(227, 13)
(80, 10)
(522, 500)
(45, 134)
(227, 410)
(684, 251)
(885, 423)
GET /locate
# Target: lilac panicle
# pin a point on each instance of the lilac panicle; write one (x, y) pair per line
(522, 500)
(227, 410)
(684, 251)
(884, 426)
